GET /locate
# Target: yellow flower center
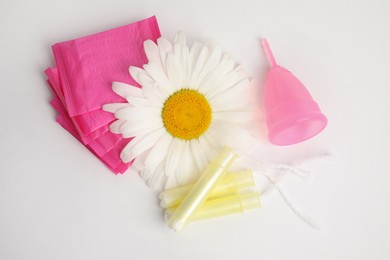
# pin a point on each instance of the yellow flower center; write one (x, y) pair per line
(186, 114)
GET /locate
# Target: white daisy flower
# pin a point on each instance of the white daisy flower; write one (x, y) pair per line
(192, 102)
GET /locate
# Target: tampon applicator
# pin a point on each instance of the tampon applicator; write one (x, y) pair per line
(214, 172)
(231, 184)
(224, 206)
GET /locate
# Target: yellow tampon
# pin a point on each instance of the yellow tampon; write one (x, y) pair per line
(223, 206)
(203, 187)
(229, 185)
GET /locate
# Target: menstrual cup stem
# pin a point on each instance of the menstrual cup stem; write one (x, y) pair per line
(268, 52)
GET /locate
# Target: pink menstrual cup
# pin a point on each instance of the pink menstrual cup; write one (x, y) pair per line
(291, 113)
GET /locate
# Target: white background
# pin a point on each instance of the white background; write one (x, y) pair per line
(57, 201)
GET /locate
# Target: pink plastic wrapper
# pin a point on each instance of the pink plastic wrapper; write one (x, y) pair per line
(100, 147)
(81, 82)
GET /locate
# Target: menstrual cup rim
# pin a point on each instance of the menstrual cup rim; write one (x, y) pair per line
(290, 121)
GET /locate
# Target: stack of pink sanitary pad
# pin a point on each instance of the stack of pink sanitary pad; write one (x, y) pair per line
(82, 78)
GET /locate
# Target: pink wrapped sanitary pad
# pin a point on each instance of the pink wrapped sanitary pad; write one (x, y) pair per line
(85, 69)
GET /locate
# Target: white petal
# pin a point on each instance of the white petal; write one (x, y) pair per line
(235, 117)
(213, 79)
(240, 103)
(192, 175)
(139, 75)
(114, 107)
(181, 62)
(157, 178)
(143, 102)
(174, 70)
(159, 77)
(198, 155)
(159, 152)
(230, 80)
(177, 49)
(171, 182)
(185, 171)
(152, 52)
(146, 172)
(240, 69)
(141, 128)
(149, 89)
(234, 136)
(180, 38)
(126, 125)
(211, 63)
(126, 90)
(145, 79)
(173, 156)
(184, 64)
(164, 47)
(137, 113)
(138, 163)
(134, 71)
(232, 94)
(193, 58)
(115, 126)
(214, 137)
(211, 136)
(201, 59)
(181, 169)
(208, 148)
(140, 144)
